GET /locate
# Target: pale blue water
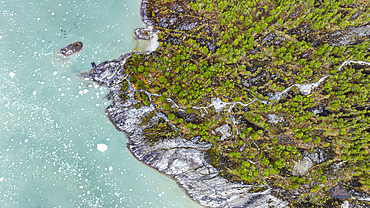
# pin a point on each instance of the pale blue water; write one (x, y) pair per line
(52, 120)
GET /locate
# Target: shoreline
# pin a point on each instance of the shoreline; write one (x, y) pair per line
(134, 135)
(126, 118)
(184, 160)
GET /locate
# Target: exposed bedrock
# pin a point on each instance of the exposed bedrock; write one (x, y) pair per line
(178, 20)
(183, 160)
(347, 36)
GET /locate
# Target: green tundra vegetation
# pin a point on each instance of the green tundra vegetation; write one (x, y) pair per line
(243, 50)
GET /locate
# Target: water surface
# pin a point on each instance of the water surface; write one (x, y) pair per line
(52, 120)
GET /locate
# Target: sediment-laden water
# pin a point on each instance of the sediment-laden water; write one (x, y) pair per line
(52, 121)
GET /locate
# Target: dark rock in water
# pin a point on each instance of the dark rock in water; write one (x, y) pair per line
(72, 48)
(339, 192)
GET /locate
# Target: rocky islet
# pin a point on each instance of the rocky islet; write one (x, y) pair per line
(72, 48)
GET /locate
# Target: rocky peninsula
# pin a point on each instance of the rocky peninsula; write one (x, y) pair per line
(250, 103)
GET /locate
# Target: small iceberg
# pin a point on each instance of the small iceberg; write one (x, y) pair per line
(102, 147)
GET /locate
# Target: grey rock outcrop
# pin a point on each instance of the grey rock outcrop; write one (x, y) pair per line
(168, 21)
(302, 167)
(349, 36)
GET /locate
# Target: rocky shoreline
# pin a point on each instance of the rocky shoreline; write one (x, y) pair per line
(185, 160)
(182, 160)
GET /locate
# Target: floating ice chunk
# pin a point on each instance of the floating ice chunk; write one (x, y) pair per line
(12, 74)
(34, 92)
(82, 92)
(1, 179)
(110, 168)
(102, 147)
(55, 73)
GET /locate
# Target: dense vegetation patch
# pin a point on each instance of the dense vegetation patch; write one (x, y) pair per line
(247, 52)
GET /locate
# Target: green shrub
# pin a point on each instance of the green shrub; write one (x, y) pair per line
(171, 116)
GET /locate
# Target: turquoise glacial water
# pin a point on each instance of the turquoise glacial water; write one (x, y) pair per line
(52, 120)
